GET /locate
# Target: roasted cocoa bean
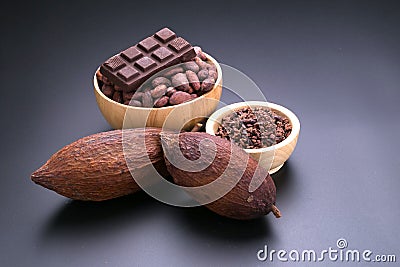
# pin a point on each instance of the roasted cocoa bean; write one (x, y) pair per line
(207, 85)
(200, 53)
(170, 91)
(162, 102)
(200, 63)
(213, 74)
(137, 96)
(202, 74)
(191, 66)
(107, 90)
(159, 91)
(179, 97)
(147, 100)
(117, 97)
(134, 103)
(160, 80)
(173, 71)
(180, 82)
(117, 88)
(127, 96)
(193, 80)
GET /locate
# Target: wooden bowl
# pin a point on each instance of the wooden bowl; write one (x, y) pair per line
(182, 116)
(273, 157)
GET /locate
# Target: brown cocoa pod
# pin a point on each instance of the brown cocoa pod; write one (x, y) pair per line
(134, 103)
(190, 65)
(162, 102)
(207, 85)
(160, 80)
(159, 91)
(107, 90)
(202, 74)
(147, 100)
(170, 91)
(223, 158)
(179, 97)
(173, 71)
(94, 167)
(180, 82)
(117, 97)
(193, 80)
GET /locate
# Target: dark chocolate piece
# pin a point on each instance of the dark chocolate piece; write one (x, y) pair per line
(133, 66)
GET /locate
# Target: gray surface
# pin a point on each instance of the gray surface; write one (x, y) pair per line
(334, 63)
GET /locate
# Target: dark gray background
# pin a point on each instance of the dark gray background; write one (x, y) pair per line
(336, 64)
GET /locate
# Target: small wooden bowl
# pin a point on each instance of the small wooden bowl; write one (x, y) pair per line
(273, 157)
(182, 116)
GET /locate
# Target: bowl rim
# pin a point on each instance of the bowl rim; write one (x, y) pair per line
(216, 117)
(218, 82)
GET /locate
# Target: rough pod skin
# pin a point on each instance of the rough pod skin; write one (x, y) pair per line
(94, 167)
(238, 203)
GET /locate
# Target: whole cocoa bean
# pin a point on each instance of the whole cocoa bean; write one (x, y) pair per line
(147, 100)
(137, 95)
(191, 66)
(207, 85)
(134, 103)
(106, 81)
(193, 96)
(180, 82)
(193, 80)
(213, 74)
(170, 91)
(117, 88)
(107, 90)
(159, 91)
(179, 97)
(212, 67)
(173, 71)
(162, 102)
(117, 97)
(223, 160)
(99, 76)
(127, 96)
(161, 80)
(200, 63)
(200, 53)
(202, 74)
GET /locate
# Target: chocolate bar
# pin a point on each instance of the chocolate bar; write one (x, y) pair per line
(133, 66)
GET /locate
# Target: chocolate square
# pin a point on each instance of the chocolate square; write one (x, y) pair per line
(128, 73)
(165, 35)
(145, 63)
(149, 44)
(115, 63)
(162, 54)
(179, 44)
(131, 54)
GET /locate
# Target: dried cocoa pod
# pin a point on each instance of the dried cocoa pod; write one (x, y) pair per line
(207, 85)
(147, 100)
(170, 91)
(162, 102)
(179, 97)
(159, 91)
(173, 71)
(193, 80)
(94, 167)
(117, 97)
(107, 90)
(160, 80)
(202, 74)
(180, 82)
(238, 203)
(190, 65)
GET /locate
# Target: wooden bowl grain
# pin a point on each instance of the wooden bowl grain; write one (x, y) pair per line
(182, 116)
(273, 157)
